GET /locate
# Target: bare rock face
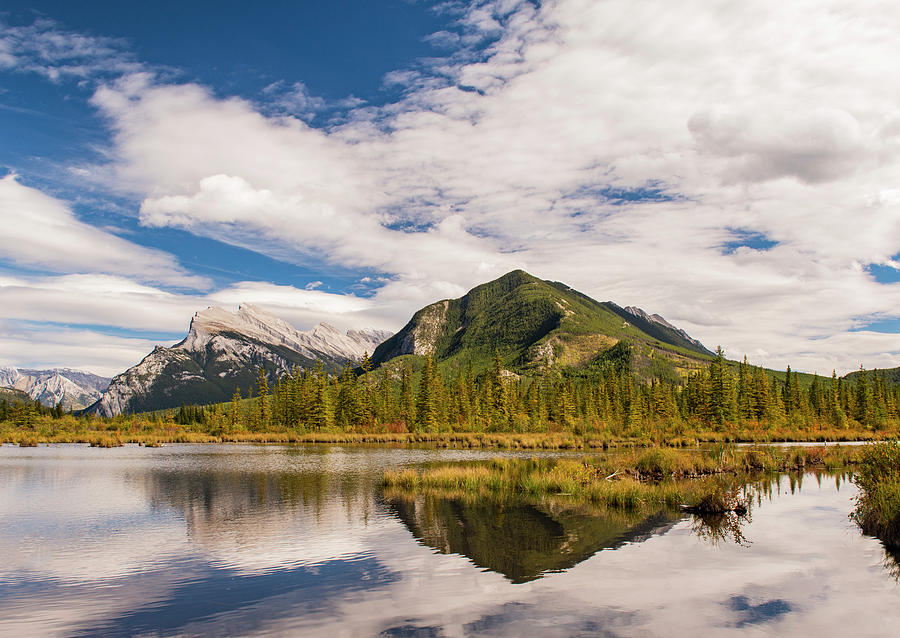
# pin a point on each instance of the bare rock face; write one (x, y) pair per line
(419, 336)
(660, 321)
(74, 389)
(221, 352)
(426, 328)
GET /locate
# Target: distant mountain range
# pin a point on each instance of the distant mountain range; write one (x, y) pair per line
(221, 352)
(76, 390)
(535, 325)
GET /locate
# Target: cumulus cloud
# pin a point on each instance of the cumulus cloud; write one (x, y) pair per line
(42, 232)
(816, 145)
(614, 146)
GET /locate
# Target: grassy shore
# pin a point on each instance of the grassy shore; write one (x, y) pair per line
(878, 504)
(663, 477)
(117, 432)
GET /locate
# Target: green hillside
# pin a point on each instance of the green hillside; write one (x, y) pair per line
(536, 325)
(890, 376)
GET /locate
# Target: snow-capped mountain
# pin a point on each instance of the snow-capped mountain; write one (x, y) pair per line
(221, 352)
(74, 389)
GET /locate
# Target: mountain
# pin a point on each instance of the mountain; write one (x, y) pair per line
(221, 352)
(656, 326)
(522, 541)
(74, 389)
(890, 376)
(537, 324)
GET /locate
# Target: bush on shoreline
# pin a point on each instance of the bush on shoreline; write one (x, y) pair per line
(878, 503)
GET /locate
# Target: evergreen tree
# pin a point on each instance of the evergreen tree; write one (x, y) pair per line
(426, 404)
(835, 412)
(407, 403)
(721, 390)
(320, 409)
(263, 415)
(864, 412)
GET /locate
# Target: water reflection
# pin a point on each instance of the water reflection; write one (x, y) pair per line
(281, 541)
(723, 527)
(518, 539)
(262, 521)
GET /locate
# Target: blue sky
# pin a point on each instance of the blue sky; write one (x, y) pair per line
(336, 50)
(352, 161)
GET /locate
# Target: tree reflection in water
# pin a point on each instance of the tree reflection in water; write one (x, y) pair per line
(722, 527)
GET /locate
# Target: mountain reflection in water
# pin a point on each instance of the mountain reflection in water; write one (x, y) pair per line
(520, 540)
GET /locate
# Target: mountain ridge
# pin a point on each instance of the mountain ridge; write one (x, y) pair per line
(221, 352)
(74, 389)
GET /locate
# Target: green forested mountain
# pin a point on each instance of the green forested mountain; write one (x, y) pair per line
(536, 325)
(889, 376)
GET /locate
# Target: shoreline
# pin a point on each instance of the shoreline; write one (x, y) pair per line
(452, 440)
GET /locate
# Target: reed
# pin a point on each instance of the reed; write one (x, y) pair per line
(105, 441)
(28, 440)
(657, 477)
(877, 509)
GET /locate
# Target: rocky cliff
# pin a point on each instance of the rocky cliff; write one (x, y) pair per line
(221, 352)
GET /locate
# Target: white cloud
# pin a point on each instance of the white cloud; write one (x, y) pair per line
(44, 47)
(42, 232)
(816, 145)
(293, 99)
(80, 349)
(771, 117)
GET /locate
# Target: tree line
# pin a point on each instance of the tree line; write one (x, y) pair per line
(608, 398)
(25, 413)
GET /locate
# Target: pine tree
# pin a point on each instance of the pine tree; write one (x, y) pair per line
(721, 390)
(745, 390)
(320, 409)
(426, 405)
(864, 412)
(367, 405)
(835, 412)
(263, 409)
(407, 403)
(499, 401)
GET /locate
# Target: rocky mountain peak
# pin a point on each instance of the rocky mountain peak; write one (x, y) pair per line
(643, 314)
(73, 388)
(222, 351)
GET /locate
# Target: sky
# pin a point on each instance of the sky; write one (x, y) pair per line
(731, 166)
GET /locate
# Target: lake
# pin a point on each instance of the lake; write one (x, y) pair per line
(202, 540)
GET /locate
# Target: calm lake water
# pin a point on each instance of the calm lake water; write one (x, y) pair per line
(247, 540)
